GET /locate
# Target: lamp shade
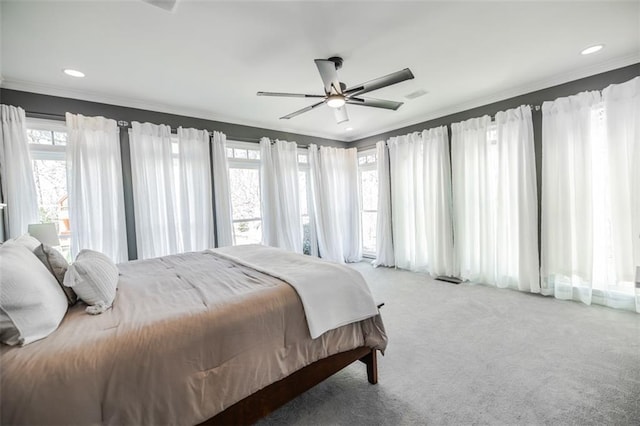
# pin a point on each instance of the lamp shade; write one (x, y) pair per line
(46, 233)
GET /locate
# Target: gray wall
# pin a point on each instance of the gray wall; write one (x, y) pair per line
(45, 106)
(594, 82)
(54, 107)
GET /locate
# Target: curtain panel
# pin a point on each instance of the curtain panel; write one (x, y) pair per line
(334, 182)
(384, 233)
(16, 173)
(171, 190)
(590, 196)
(279, 192)
(194, 195)
(495, 200)
(421, 202)
(94, 179)
(222, 200)
(153, 176)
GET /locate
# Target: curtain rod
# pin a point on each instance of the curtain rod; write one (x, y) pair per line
(58, 117)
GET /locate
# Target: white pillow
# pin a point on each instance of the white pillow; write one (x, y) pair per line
(94, 278)
(32, 304)
(28, 241)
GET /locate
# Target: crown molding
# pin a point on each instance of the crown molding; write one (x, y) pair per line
(63, 92)
(534, 86)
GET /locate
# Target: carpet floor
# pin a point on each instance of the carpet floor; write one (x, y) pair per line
(471, 355)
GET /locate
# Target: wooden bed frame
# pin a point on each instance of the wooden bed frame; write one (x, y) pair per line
(268, 399)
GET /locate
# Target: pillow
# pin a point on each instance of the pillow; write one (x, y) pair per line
(27, 241)
(57, 265)
(31, 301)
(94, 278)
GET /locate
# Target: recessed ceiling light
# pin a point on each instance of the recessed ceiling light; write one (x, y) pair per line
(348, 129)
(73, 73)
(592, 49)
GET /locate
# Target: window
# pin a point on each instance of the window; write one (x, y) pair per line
(309, 242)
(368, 180)
(47, 143)
(244, 185)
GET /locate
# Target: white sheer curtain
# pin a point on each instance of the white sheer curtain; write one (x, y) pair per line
(622, 109)
(495, 200)
(94, 180)
(590, 186)
(384, 235)
(279, 192)
(222, 201)
(153, 176)
(421, 202)
(334, 178)
(16, 173)
(195, 207)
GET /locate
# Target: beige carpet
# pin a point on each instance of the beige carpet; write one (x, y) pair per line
(469, 354)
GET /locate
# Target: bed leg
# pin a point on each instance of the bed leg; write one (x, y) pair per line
(371, 360)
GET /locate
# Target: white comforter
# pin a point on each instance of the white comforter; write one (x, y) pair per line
(332, 295)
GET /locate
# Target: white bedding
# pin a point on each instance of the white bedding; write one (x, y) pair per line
(332, 295)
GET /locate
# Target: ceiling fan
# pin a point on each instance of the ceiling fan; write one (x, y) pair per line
(337, 95)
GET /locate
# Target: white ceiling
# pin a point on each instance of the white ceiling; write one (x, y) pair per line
(208, 59)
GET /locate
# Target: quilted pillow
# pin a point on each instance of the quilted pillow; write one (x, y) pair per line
(57, 265)
(94, 278)
(31, 301)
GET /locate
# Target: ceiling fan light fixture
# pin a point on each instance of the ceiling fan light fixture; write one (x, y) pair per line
(335, 101)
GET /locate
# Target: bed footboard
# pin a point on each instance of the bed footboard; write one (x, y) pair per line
(268, 399)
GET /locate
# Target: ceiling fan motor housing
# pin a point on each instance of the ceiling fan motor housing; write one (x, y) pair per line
(337, 61)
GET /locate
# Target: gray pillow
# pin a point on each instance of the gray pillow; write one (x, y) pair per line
(57, 265)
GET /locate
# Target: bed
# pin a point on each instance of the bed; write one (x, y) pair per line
(215, 336)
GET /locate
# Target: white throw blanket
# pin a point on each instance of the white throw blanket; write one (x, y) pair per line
(332, 294)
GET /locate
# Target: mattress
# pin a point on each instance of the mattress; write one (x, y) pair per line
(188, 336)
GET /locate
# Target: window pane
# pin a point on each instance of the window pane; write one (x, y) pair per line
(302, 158)
(249, 232)
(371, 158)
(40, 136)
(306, 235)
(229, 152)
(245, 193)
(50, 177)
(369, 186)
(59, 138)
(302, 192)
(240, 153)
(369, 232)
(254, 155)
(362, 160)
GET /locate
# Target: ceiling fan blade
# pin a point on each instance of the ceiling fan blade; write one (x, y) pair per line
(380, 82)
(376, 103)
(300, 111)
(329, 76)
(289, 95)
(341, 114)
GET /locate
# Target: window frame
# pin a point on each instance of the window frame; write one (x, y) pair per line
(364, 167)
(245, 163)
(306, 169)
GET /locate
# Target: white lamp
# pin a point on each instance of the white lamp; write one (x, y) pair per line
(46, 233)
